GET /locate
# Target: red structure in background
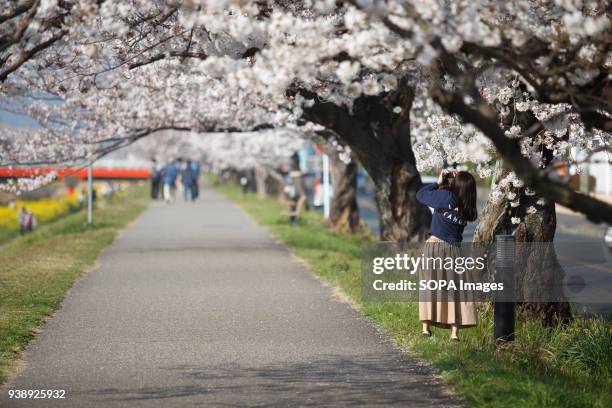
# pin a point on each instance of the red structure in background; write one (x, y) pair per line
(80, 173)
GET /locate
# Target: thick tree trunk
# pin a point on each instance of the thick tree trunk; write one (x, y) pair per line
(402, 218)
(534, 270)
(380, 139)
(540, 268)
(397, 180)
(344, 211)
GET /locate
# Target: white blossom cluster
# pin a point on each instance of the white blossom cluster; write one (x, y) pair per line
(243, 151)
(25, 184)
(440, 139)
(343, 151)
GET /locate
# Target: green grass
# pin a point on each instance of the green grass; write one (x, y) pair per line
(6, 234)
(566, 366)
(36, 270)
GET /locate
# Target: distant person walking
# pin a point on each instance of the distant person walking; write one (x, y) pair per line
(195, 183)
(244, 183)
(170, 177)
(295, 199)
(186, 180)
(156, 180)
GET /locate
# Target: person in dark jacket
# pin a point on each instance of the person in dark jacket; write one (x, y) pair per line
(452, 201)
(186, 180)
(195, 182)
(156, 180)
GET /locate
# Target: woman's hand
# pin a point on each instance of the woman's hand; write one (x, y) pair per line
(443, 172)
(441, 177)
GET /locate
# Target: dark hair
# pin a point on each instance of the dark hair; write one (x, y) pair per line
(463, 187)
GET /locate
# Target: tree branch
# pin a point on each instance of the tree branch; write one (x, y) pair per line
(17, 11)
(27, 55)
(509, 150)
(485, 118)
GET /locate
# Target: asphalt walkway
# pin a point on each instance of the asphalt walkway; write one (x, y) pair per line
(195, 305)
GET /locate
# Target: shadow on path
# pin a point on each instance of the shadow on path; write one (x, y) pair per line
(376, 380)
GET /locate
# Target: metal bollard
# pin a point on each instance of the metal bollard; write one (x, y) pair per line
(504, 312)
(90, 193)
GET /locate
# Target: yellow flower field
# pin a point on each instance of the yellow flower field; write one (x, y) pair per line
(44, 209)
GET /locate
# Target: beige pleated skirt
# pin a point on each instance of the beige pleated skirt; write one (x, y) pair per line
(444, 308)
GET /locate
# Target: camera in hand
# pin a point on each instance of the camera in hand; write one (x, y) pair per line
(447, 179)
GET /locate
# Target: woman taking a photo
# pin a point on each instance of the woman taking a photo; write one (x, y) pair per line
(452, 201)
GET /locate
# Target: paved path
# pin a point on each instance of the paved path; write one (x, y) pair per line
(194, 305)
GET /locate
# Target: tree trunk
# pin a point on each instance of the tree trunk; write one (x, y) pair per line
(380, 139)
(494, 219)
(540, 268)
(274, 184)
(268, 183)
(534, 269)
(402, 218)
(344, 211)
(260, 181)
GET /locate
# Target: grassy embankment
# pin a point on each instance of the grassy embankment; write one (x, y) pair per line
(568, 366)
(36, 270)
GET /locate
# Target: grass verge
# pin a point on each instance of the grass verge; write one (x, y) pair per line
(568, 366)
(38, 269)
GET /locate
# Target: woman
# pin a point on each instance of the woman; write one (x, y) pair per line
(452, 201)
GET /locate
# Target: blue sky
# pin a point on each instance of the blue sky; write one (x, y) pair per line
(11, 119)
(10, 106)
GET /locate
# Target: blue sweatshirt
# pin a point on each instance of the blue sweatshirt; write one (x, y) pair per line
(445, 222)
(171, 174)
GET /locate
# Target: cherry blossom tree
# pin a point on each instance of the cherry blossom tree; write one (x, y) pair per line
(31, 26)
(351, 68)
(552, 58)
(260, 153)
(403, 84)
(216, 42)
(533, 78)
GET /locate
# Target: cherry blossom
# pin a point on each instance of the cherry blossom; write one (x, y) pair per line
(535, 71)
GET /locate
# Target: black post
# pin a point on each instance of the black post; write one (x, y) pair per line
(503, 315)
